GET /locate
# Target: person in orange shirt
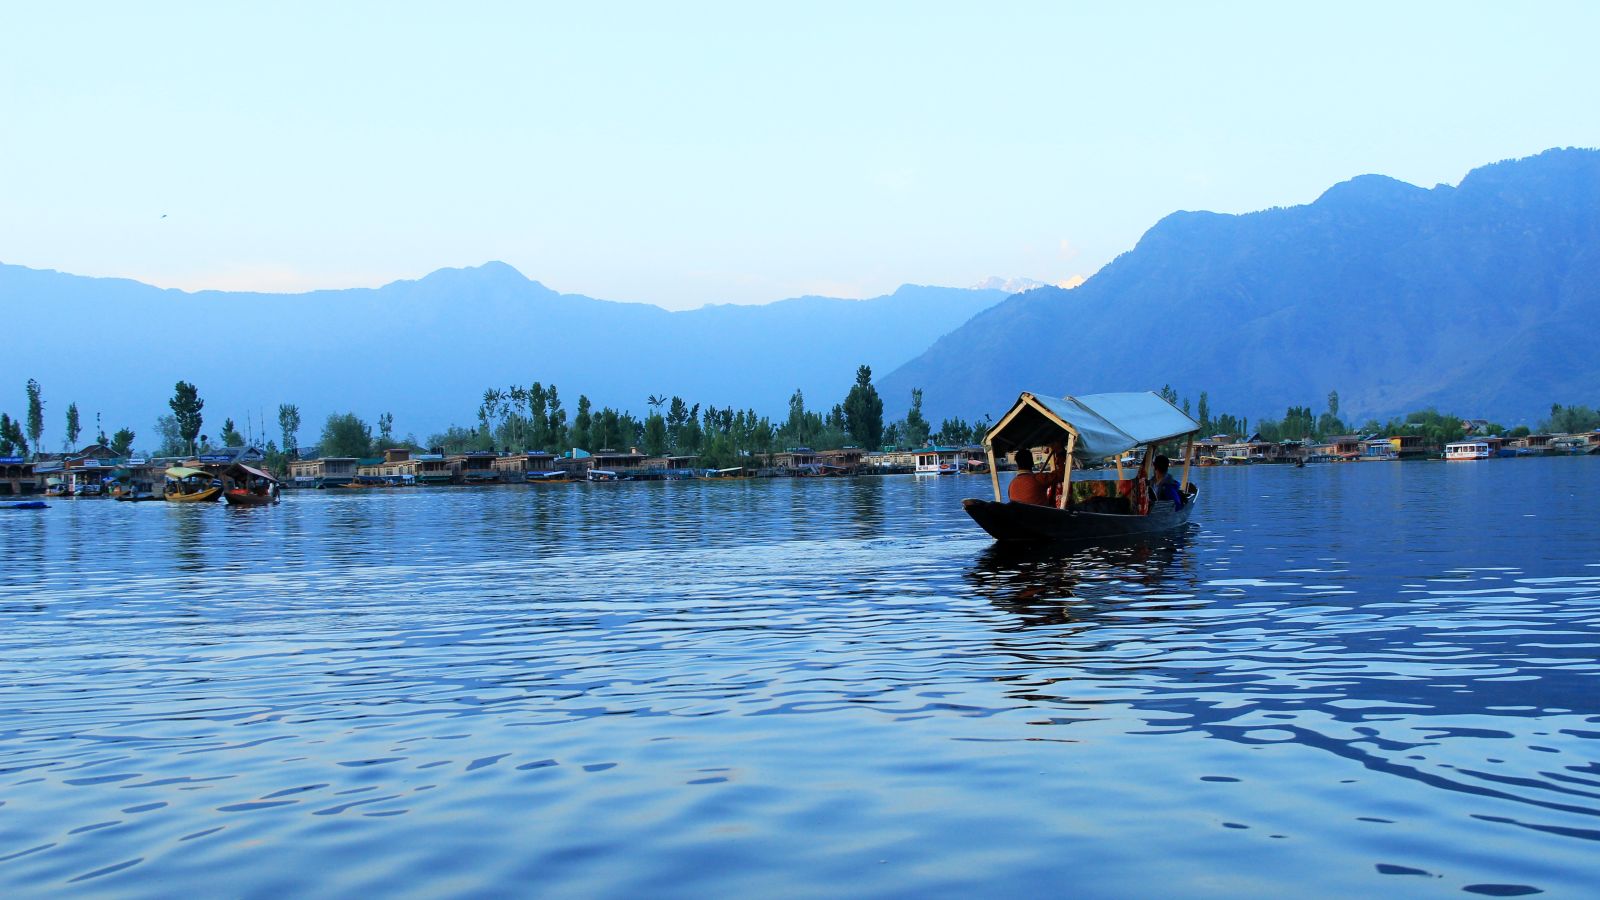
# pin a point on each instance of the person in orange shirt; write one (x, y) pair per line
(1029, 486)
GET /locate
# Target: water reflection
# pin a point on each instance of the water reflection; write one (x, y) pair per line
(1044, 585)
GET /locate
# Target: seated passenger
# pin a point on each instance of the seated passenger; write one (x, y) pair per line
(1029, 486)
(1162, 485)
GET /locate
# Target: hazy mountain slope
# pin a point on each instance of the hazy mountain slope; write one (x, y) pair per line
(1478, 298)
(427, 349)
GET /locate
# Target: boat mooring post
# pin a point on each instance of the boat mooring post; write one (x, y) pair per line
(994, 473)
(1066, 477)
(1188, 457)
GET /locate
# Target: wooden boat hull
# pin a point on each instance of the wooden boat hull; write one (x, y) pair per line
(27, 504)
(246, 498)
(1024, 522)
(206, 496)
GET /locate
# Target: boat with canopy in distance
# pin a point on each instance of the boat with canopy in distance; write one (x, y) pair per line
(186, 484)
(1100, 504)
(249, 486)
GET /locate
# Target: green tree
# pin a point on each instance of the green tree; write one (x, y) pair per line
(555, 421)
(35, 414)
(344, 434)
(12, 441)
(655, 434)
(186, 406)
(122, 442)
(230, 435)
(1203, 410)
(386, 429)
(581, 425)
(538, 421)
(863, 411)
(289, 424)
(916, 430)
(74, 427)
(173, 442)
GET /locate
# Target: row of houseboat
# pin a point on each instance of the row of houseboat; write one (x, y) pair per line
(401, 466)
(96, 471)
(1223, 450)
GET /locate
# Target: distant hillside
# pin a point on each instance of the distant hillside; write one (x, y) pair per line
(427, 349)
(1479, 299)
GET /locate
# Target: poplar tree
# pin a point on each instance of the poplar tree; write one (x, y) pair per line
(74, 427)
(35, 414)
(186, 405)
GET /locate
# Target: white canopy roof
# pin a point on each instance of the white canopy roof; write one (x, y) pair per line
(1106, 424)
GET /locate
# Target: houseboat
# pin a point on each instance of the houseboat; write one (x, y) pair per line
(517, 468)
(476, 467)
(1094, 428)
(1378, 450)
(938, 460)
(795, 461)
(17, 477)
(627, 466)
(1467, 450)
(323, 472)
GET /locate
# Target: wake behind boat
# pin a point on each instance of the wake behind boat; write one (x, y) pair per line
(1092, 429)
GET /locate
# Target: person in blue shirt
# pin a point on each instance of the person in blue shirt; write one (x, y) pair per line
(1162, 485)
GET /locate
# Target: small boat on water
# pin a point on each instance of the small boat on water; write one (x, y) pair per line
(187, 485)
(26, 504)
(249, 486)
(551, 476)
(1109, 503)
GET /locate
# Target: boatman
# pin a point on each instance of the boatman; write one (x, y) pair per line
(1029, 486)
(1162, 485)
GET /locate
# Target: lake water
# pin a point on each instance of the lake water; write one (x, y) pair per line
(1343, 679)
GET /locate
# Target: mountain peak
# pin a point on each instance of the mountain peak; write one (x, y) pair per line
(1367, 190)
(1009, 285)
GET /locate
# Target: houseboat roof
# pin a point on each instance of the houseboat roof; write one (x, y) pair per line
(1105, 424)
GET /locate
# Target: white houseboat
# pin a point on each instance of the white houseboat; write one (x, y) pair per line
(1467, 450)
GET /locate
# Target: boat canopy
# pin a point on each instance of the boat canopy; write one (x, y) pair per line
(256, 472)
(185, 472)
(1105, 424)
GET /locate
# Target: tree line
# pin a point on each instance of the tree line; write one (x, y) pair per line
(533, 418)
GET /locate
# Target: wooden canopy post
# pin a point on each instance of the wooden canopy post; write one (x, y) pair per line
(1188, 457)
(994, 473)
(1066, 476)
(1119, 466)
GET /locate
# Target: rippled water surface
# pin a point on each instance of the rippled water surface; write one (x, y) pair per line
(1374, 677)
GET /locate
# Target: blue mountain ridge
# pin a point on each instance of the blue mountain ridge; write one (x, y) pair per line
(1478, 299)
(426, 349)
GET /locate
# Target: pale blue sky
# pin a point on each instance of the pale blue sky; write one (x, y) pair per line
(684, 154)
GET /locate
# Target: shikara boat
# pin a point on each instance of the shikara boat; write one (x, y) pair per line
(1101, 504)
(26, 504)
(249, 486)
(186, 485)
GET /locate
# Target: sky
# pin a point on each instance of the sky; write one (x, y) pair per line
(684, 154)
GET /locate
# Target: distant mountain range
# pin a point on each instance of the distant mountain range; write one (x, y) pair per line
(1479, 299)
(427, 349)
